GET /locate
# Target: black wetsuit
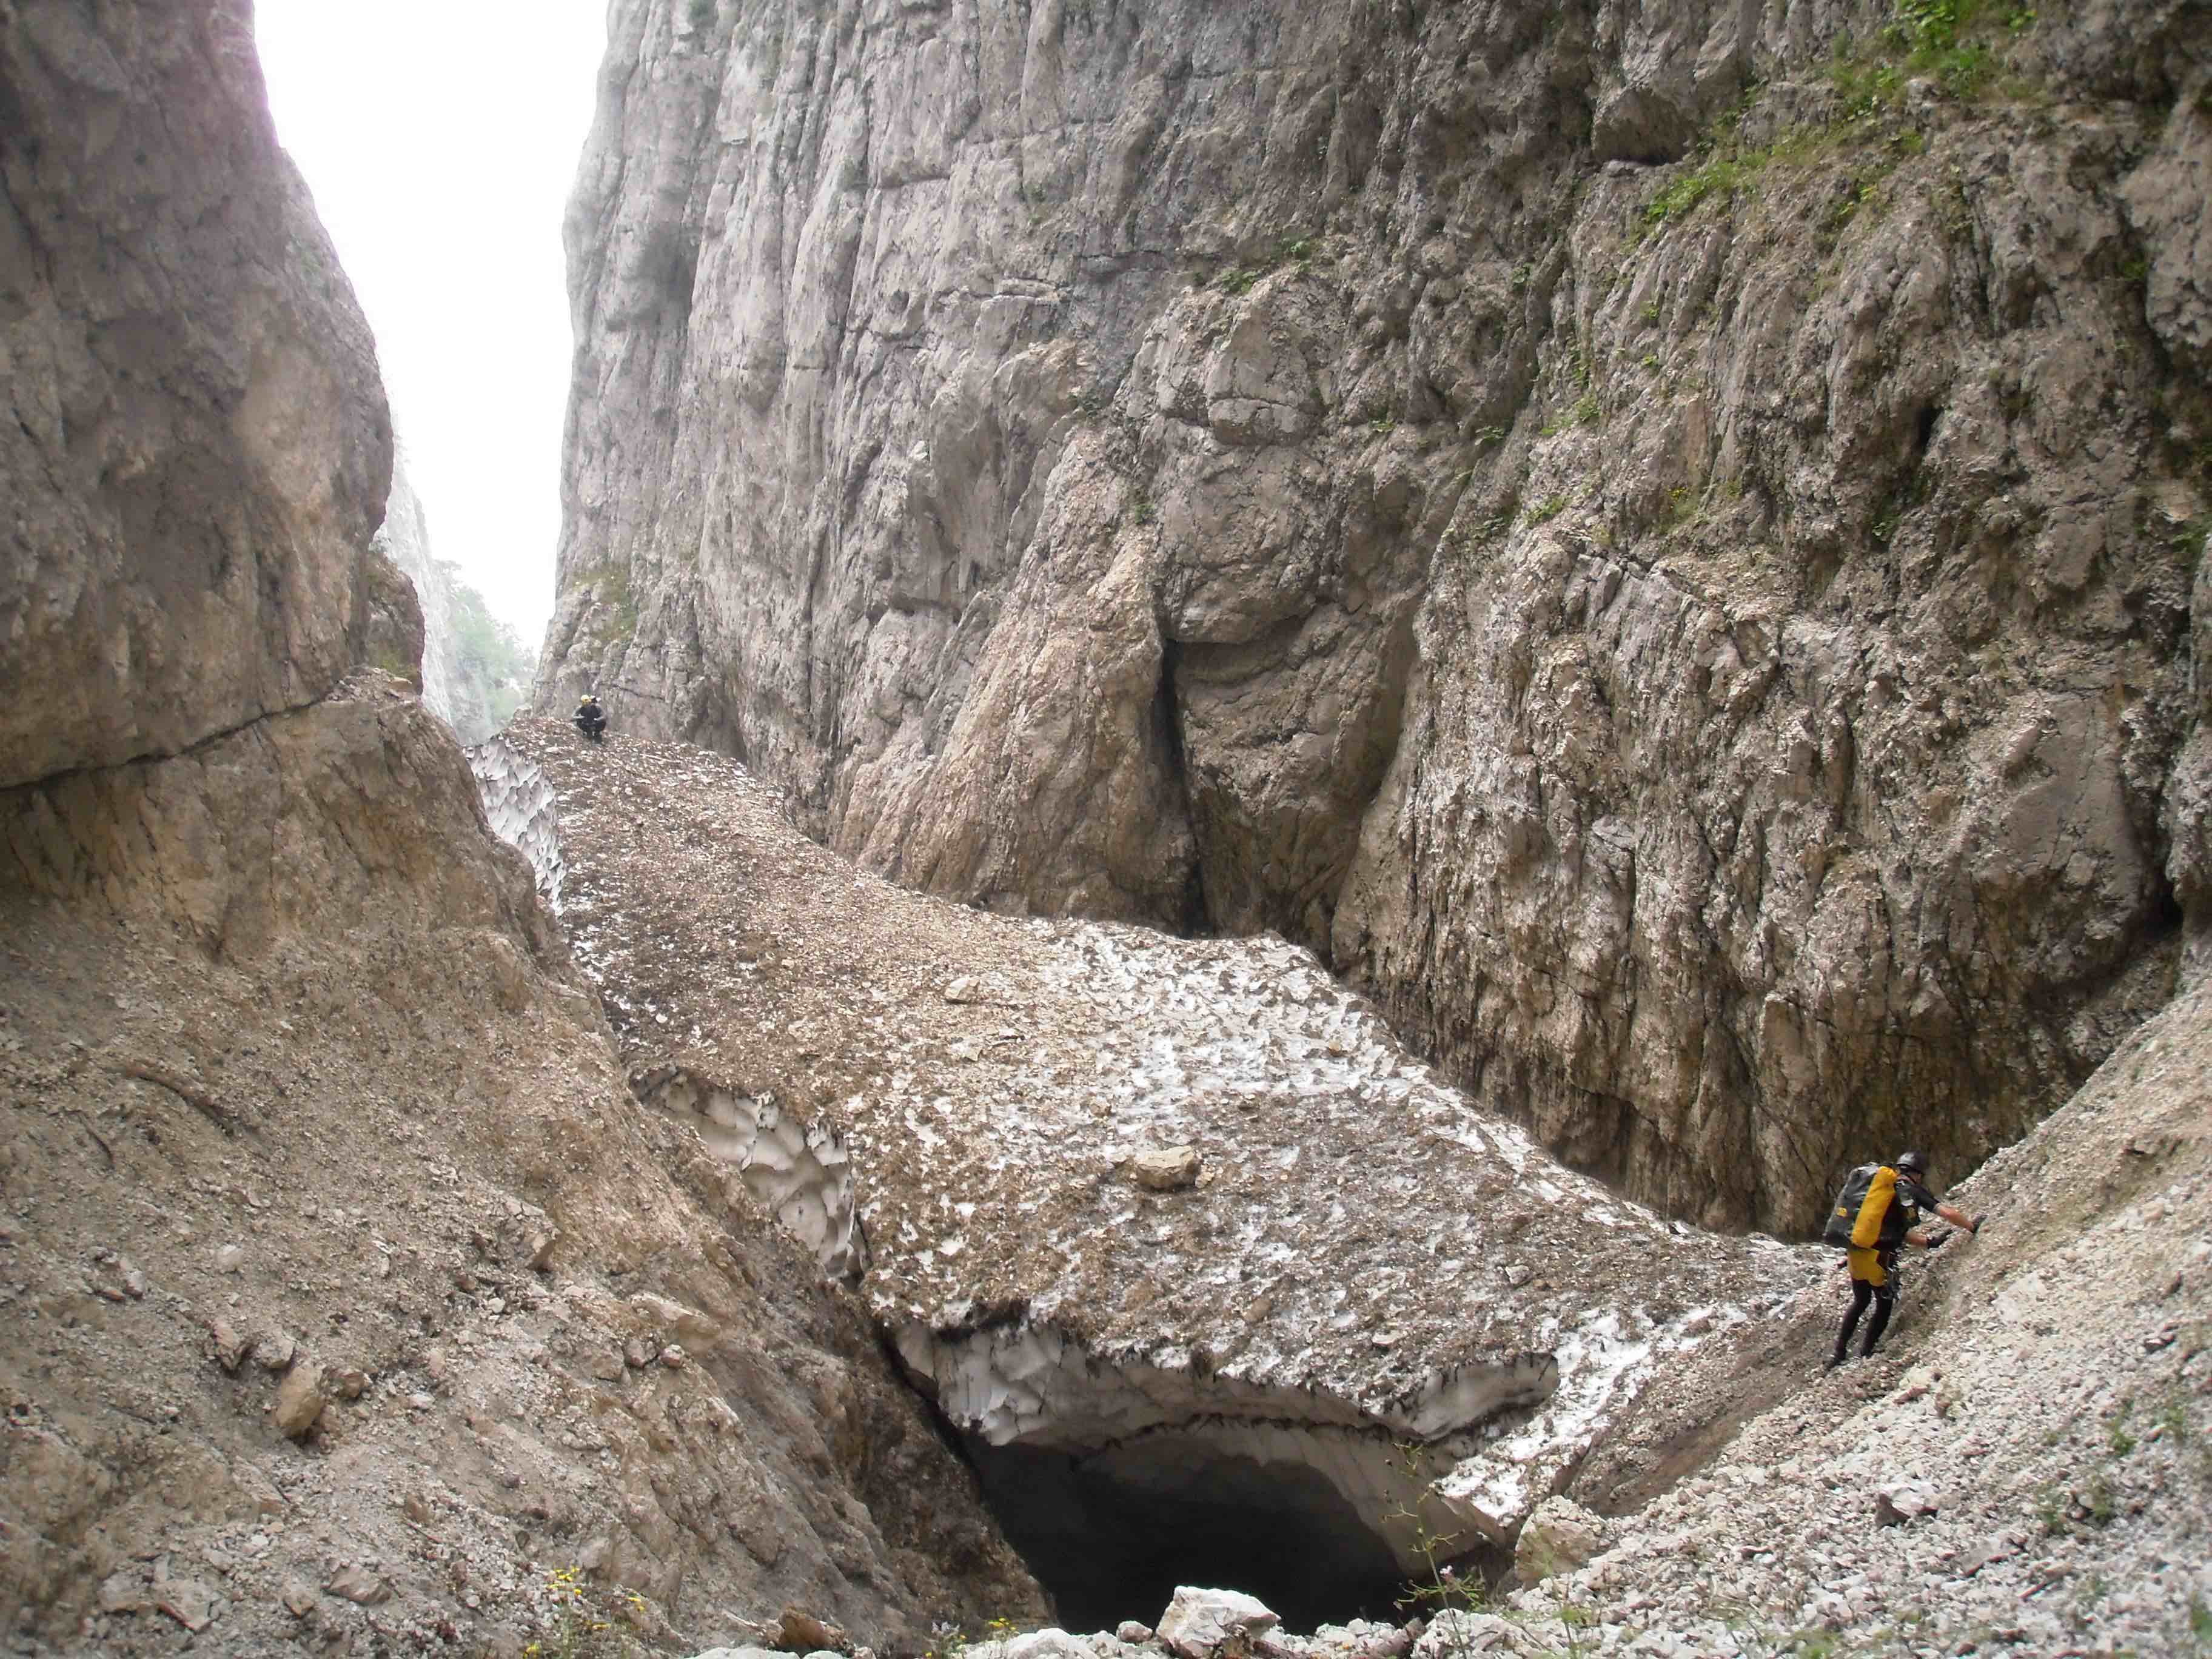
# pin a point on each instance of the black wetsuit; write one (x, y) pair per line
(591, 720)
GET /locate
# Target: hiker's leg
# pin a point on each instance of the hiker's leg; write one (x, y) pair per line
(1885, 1299)
(1861, 1293)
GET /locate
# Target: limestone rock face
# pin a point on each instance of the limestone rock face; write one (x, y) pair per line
(405, 538)
(462, 682)
(291, 1060)
(1690, 652)
(196, 446)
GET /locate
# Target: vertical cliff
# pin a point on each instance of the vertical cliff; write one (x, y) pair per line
(475, 672)
(198, 446)
(1662, 539)
(342, 1280)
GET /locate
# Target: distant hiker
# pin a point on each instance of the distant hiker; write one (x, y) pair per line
(1879, 1209)
(591, 719)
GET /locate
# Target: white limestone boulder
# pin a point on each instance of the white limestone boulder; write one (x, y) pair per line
(1558, 1537)
(1201, 1623)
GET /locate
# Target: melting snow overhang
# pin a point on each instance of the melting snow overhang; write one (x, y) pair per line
(1139, 1419)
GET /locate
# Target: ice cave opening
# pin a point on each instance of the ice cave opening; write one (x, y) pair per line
(1111, 1533)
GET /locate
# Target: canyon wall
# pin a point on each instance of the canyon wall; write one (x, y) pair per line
(1660, 540)
(346, 1287)
(467, 654)
(199, 447)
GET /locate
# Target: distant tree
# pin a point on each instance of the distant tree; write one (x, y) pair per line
(490, 662)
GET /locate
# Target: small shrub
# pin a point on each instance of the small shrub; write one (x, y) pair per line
(1945, 40)
(1384, 425)
(1862, 190)
(1585, 410)
(1490, 437)
(2054, 1509)
(1866, 90)
(2099, 1502)
(1440, 1584)
(1548, 509)
(580, 1620)
(1142, 510)
(1933, 35)
(1289, 250)
(611, 590)
(1725, 175)
(2174, 1419)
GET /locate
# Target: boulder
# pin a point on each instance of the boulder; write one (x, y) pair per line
(1200, 1624)
(1558, 1537)
(299, 1399)
(1165, 1169)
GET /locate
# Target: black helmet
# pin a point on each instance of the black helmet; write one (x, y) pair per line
(1912, 1161)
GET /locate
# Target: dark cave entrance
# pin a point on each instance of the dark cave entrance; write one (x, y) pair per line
(1111, 1535)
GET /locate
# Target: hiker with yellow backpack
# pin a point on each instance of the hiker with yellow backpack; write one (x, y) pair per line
(1878, 1209)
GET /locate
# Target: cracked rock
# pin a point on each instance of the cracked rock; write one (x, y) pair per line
(1558, 1537)
(1165, 1169)
(230, 1348)
(190, 1603)
(299, 1399)
(273, 1351)
(1201, 1623)
(357, 1584)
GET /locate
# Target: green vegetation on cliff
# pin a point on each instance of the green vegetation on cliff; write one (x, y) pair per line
(491, 666)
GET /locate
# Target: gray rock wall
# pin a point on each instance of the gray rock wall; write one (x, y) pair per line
(195, 446)
(1700, 633)
(460, 683)
(255, 923)
(404, 538)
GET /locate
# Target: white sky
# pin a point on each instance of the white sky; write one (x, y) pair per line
(439, 138)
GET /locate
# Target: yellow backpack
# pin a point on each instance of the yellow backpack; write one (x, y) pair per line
(1862, 1206)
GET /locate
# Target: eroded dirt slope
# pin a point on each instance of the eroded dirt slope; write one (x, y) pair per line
(293, 1074)
(2041, 1416)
